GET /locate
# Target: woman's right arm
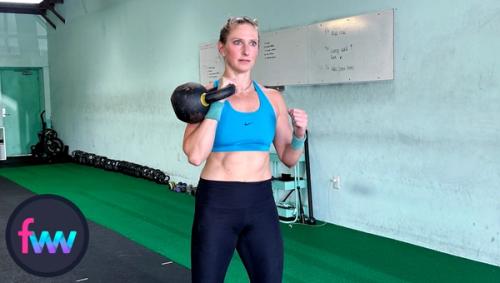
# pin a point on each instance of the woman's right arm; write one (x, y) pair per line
(199, 137)
(198, 141)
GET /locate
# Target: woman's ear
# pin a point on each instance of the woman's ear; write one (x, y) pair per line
(220, 47)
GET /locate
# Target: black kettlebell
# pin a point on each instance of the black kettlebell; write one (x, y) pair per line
(191, 101)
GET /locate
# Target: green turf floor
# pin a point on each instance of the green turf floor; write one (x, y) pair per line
(160, 220)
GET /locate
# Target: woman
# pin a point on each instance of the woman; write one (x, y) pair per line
(234, 207)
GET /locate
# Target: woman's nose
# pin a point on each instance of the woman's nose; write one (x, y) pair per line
(245, 49)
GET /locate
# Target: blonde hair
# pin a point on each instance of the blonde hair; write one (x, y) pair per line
(226, 29)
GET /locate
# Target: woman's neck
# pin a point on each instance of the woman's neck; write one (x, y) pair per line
(242, 81)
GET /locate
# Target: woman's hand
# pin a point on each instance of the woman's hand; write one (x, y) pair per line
(299, 122)
(223, 82)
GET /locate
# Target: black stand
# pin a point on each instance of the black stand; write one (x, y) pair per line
(310, 220)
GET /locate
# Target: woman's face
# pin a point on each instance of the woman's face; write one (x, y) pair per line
(241, 48)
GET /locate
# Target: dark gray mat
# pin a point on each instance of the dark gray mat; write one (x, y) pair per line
(110, 257)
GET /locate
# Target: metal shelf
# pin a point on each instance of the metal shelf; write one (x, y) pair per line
(286, 193)
(288, 185)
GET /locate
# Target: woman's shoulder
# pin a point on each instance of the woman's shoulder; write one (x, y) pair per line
(274, 96)
(271, 93)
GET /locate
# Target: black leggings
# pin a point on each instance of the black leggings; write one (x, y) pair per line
(239, 215)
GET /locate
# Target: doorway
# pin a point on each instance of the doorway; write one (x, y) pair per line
(21, 101)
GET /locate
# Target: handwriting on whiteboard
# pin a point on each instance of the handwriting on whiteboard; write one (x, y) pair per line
(335, 58)
(336, 51)
(269, 50)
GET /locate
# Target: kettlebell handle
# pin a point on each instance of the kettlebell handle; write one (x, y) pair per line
(215, 94)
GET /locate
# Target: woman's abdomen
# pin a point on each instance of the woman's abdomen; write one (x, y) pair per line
(243, 166)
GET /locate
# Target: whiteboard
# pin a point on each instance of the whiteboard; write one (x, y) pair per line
(211, 63)
(283, 57)
(353, 49)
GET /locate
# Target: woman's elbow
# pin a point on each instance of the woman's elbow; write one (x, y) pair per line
(196, 161)
(289, 164)
(194, 158)
(285, 160)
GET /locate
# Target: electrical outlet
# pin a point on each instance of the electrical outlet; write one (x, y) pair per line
(335, 180)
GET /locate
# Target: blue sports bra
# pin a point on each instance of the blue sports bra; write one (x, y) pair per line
(245, 131)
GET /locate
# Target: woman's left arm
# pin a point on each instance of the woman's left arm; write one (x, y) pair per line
(288, 143)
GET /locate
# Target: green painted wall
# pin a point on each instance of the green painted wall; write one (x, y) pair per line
(418, 156)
